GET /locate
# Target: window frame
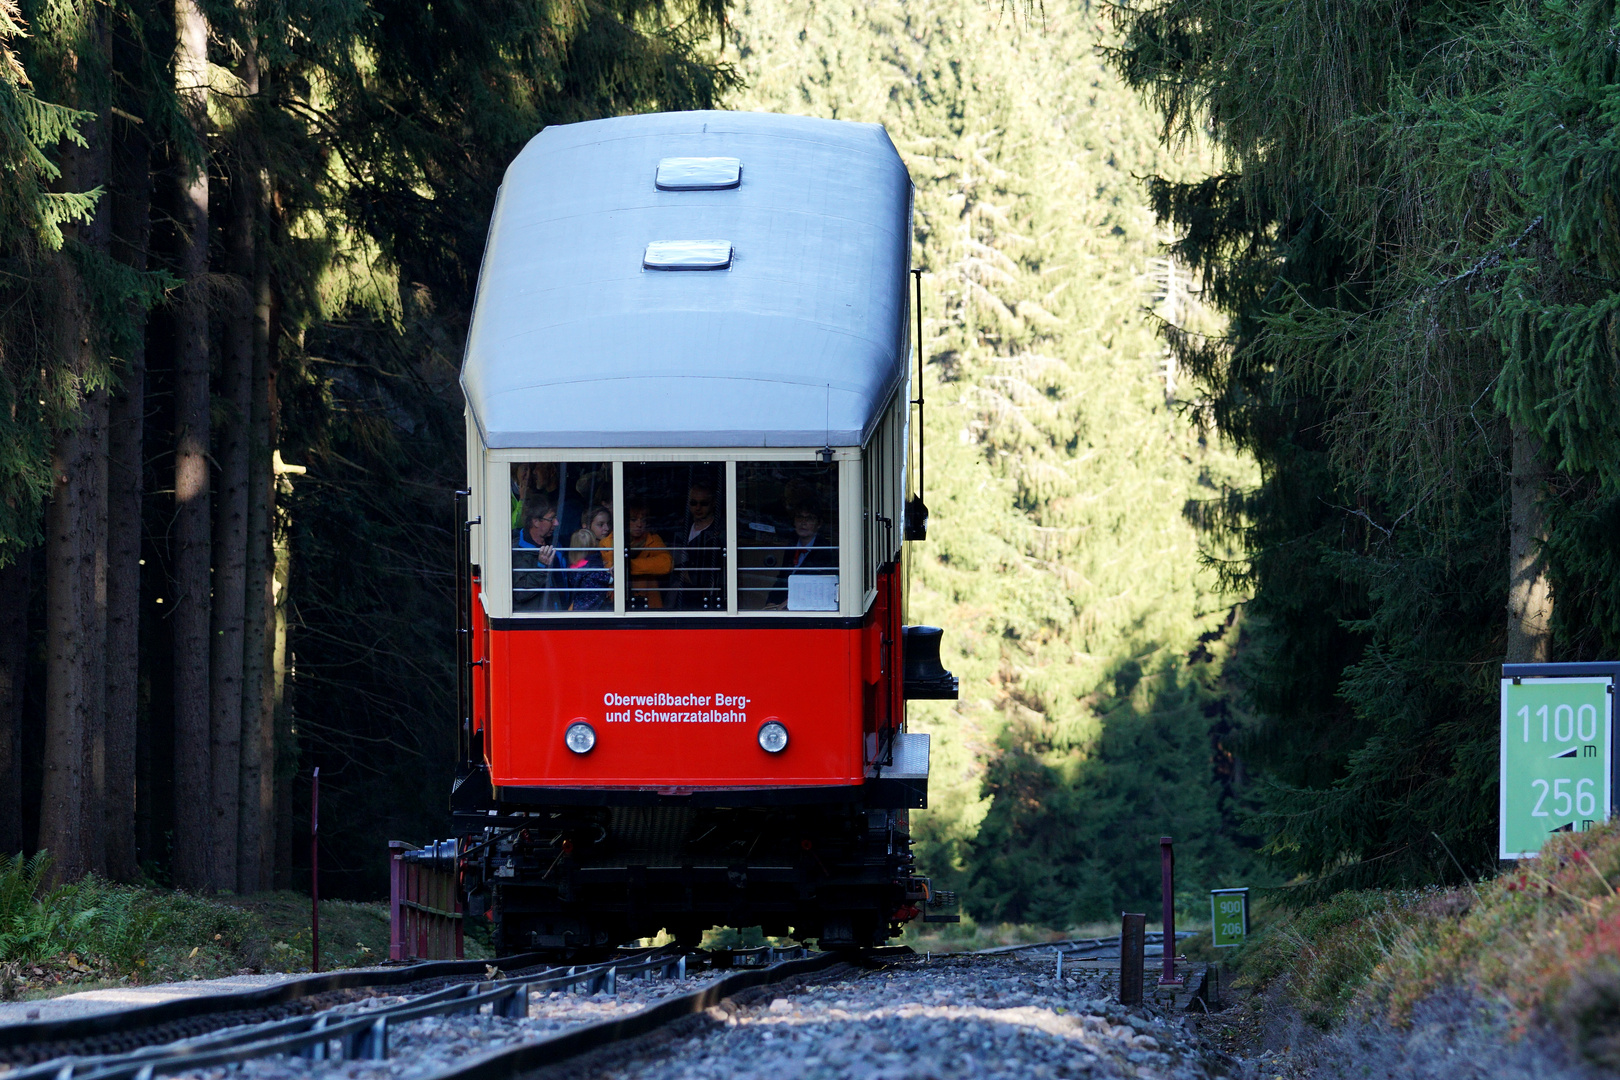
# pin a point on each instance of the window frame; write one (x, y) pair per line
(495, 547)
(883, 492)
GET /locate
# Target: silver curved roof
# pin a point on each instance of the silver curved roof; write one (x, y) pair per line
(799, 342)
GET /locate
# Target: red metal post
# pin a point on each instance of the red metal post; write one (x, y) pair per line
(315, 871)
(396, 895)
(1167, 866)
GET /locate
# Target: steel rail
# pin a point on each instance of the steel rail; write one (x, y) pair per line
(512, 1061)
(363, 1035)
(163, 1012)
(1067, 945)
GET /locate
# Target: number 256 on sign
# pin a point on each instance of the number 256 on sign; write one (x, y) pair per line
(1556, 744)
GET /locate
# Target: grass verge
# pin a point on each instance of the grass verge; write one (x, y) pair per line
(968, 935)
(1542, 940)
(94, 933)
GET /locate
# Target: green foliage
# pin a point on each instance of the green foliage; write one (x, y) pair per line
(1089, 639)
(1327, 952)
(36, 394)
(94, 931)
(31, 213)
(1408, 235)
(122, 926)
(380, 130)
(424, 107)
(1537, 940)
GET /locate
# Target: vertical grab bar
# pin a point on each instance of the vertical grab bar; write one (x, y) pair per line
(463, 631)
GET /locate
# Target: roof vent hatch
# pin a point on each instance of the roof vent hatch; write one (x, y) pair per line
(687, 255)
(698, 173)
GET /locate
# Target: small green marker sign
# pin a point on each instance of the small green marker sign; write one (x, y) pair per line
(1557, 737)
(1228, 916)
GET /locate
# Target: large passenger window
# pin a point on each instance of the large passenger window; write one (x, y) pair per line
(787, 536)
(562, 517)
(674, 536)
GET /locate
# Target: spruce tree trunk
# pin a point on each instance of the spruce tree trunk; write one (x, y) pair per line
(230, 545)
(193, 773)
(233, 601)
(61, 825)
(93, 620)
(281, 704)
(14, 584)
(1529, 604)
(72, 807)
(267, 316)
(255, 850)
(131, 229)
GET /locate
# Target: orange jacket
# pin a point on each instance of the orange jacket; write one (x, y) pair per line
(652, 559)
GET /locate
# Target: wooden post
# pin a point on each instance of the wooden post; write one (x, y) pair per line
(1132, 947)
(1167, 874)
(315, 871)
(396, 896)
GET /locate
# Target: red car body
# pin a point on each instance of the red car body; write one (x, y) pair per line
(677, 709)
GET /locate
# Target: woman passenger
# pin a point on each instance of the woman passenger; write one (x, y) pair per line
(650, 560)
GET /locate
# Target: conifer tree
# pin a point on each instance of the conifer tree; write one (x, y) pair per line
(73, 794)
(1088, 638)
(196, 807)
(130, 199)
(1411, 356)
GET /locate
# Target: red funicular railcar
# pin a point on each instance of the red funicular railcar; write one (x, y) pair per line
(687, 387)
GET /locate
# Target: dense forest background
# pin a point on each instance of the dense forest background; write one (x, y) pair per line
(1271, 363)
(1411, 232)
(239, 242)
(1089, 637)
(330, 260)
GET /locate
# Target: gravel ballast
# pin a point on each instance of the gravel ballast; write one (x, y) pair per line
(938, 1019)
(426, 1047)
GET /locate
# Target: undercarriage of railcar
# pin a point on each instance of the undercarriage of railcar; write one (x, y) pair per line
(592, 877)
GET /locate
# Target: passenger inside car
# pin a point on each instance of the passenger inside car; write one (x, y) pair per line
(700, 557)
(592, 580)
(649, 559)
(808, 555)
(776, 538)
(535, 559)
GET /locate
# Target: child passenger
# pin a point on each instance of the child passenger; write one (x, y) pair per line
(593, 580)
(650, 560)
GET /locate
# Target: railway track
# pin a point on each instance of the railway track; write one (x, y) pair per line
(1087, 946)
(500, 1025)
(647, 988)
(958, 1016)
(121, 1030)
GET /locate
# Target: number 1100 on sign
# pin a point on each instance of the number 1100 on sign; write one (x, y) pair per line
(1567, 723)
(1555, 743)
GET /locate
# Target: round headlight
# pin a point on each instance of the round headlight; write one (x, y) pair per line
(580, 737)
(772, 737)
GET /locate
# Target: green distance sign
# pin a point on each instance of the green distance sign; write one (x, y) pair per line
(1228, 917)
(1557, 743)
